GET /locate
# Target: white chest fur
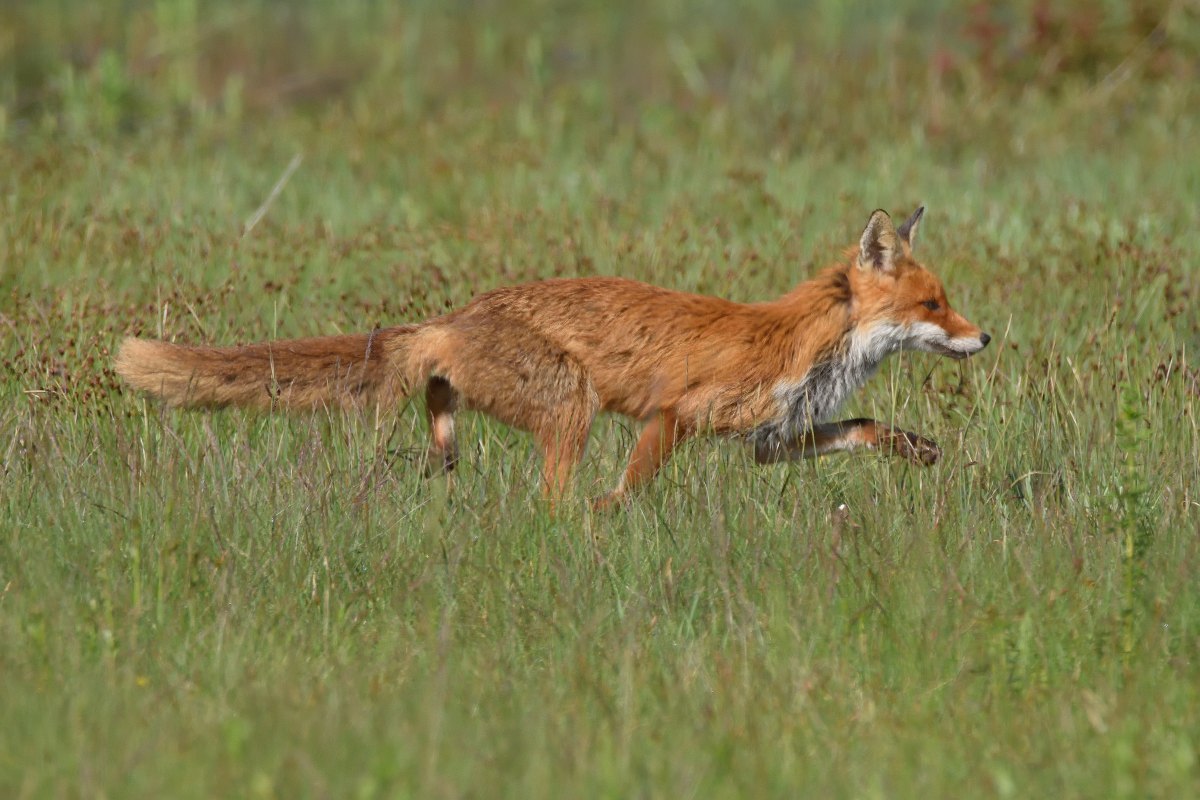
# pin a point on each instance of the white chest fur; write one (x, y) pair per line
(817, 396)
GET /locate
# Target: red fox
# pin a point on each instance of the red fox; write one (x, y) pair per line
(545, 357)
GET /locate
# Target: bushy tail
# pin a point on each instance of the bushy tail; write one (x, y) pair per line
(322, 372)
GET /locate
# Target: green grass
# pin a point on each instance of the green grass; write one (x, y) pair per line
(244, 605)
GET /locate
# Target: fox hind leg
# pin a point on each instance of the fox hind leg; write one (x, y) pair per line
(441, 401)
(499, 366)
(562, 445)
(563, 414)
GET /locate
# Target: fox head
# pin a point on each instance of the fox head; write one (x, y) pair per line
(898, 304)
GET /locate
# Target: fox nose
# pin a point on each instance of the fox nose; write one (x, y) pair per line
(984, 338)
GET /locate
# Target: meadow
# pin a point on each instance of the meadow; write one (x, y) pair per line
(247, 605)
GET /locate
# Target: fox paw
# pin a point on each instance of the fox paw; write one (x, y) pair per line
(917, 449)
(440, 462)
(608, 502)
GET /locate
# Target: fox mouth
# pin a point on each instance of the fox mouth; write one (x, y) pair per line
(957, 355)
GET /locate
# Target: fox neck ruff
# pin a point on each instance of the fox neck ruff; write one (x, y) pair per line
(817, 397)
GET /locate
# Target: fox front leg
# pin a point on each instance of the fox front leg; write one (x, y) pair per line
(853, 434)
(663, 433)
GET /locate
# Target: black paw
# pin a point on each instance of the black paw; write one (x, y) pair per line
(438, 462)
(917, 449)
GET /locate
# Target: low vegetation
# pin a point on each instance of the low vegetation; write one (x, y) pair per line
(247, 605)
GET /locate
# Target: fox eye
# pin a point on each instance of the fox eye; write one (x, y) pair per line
(932, 305)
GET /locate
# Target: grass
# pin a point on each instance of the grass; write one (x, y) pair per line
(245, 605)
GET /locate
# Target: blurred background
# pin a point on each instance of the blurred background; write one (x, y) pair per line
(771, 73)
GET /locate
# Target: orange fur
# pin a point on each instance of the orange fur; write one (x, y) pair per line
(546, 357)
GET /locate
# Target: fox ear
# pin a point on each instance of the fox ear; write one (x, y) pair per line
(908, 231)
(880, 244)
